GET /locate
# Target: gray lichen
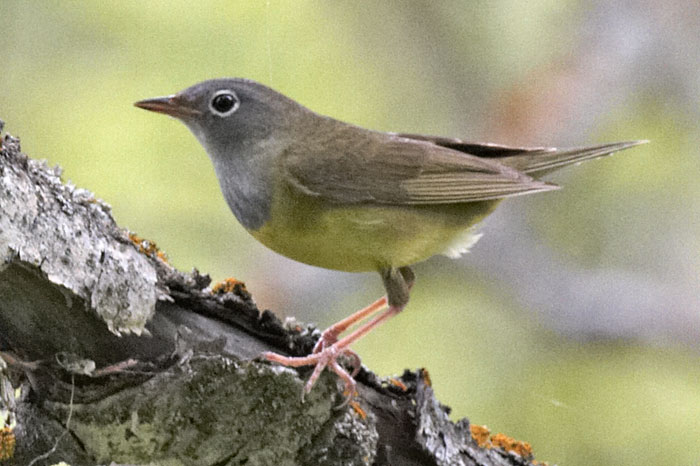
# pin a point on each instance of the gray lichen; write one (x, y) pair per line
(213, 410)
(73, 239)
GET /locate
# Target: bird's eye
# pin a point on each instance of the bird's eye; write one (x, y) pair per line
(224, 103)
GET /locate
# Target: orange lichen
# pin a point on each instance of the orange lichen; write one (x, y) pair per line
(149, 248)
(480, 434)
(229, 285)
(426, 377)
(358, 409)
(511, 445)
(397, 383)
(7, 443)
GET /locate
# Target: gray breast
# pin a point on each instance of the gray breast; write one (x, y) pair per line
(246, 188)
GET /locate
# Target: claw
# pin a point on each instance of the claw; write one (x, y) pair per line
(320, 365)
(350, 384)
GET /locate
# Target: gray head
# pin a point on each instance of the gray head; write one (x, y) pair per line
(243, 126)
(230, 113)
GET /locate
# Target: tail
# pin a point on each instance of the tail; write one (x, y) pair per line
(534, 161)
(538, 163)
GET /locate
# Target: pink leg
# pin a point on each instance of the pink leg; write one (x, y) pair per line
(330, 335)
(327, 356)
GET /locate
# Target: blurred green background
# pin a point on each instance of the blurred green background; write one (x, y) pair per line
(573, 324)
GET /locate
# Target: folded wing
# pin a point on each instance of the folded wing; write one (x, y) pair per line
(359, 166)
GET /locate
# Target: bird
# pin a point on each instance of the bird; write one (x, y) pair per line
(338, 196)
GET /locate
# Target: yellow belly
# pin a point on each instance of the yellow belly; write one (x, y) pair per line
(363, 238)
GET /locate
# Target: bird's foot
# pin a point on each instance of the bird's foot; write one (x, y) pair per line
(321, 358)
(329, 348)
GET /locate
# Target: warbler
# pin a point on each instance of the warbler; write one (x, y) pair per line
(335, 195)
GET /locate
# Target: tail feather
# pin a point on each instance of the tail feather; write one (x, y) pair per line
(540, 163)
(534, 161)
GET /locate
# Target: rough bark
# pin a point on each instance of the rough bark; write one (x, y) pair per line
(120, 358)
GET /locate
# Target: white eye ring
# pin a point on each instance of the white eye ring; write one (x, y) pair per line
(223, 107)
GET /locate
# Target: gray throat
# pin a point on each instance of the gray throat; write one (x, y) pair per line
(245, 183)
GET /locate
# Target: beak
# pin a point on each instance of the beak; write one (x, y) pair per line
(171, 105)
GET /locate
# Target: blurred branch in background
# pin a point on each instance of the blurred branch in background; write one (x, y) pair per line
(627, 53)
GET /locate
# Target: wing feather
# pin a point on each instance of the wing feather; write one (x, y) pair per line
(361, 166)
